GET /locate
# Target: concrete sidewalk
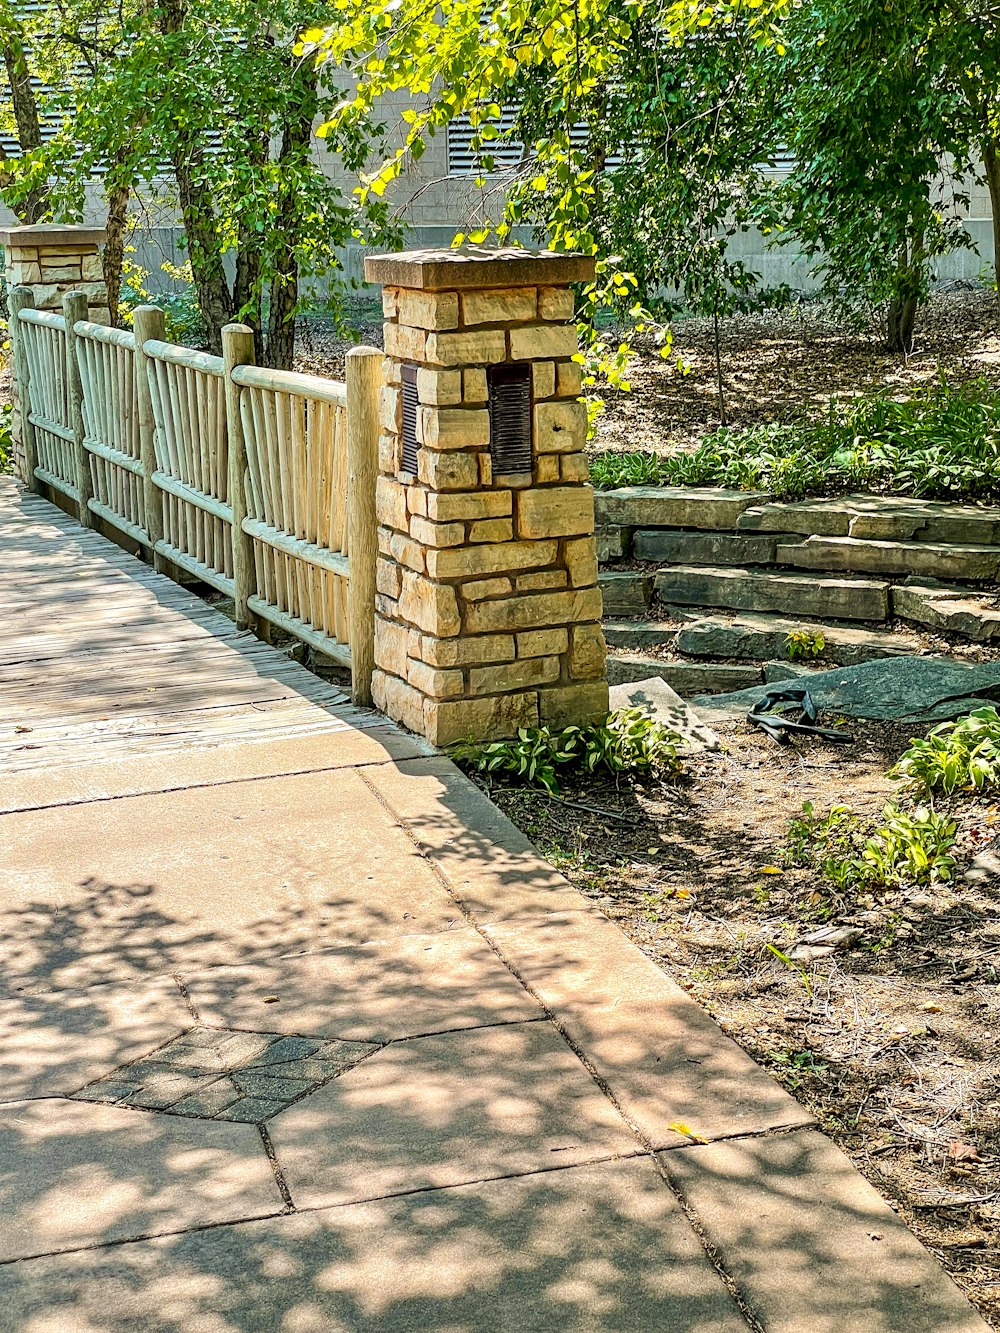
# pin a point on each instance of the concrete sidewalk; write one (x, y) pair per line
(299, 1034)
(475, 1124)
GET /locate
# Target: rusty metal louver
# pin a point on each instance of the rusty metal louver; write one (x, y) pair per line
(510, 419)
(408, 462)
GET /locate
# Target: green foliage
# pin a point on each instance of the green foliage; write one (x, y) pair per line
(943, 443)
(182, 318)
(853, 854)
(962, 754)
(804, 643)
(627, 741)
(6, 439)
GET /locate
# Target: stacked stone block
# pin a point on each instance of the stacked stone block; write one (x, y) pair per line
(488, 610)
(52, 260)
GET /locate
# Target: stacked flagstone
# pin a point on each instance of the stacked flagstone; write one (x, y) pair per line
(488, 610)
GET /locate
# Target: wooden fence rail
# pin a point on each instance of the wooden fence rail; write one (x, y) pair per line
(260, 483)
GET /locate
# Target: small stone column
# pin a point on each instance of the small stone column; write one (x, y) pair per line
(487, 608)
(53, 259)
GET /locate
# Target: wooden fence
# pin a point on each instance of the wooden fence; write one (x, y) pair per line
(260, 483)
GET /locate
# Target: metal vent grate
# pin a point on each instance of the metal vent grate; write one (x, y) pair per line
(510, 419)
(409, 457)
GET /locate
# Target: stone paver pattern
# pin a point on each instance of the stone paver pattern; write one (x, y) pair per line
(299, 1034)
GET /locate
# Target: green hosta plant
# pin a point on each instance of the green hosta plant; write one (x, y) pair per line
(626, 741)
(961, 754)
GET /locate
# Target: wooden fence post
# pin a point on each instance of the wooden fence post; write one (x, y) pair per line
(147, 326)
(238, 350)
(23, 298)
(363, 374)
(75, 308)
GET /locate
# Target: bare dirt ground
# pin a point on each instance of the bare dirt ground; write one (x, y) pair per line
(784, 366)
(894, 1041)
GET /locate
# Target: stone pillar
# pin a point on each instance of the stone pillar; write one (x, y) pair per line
(487, 609)
(52, 259)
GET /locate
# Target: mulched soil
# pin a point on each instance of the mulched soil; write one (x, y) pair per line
(784, 366)
(895, 1043)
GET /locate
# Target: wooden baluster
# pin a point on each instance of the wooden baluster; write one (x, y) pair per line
(364, 380)
(23, 298)
(75, 309)
(237, 350)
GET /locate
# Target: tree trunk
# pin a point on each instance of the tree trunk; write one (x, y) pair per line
(991, 163)
(900, 320)
(114, 246)
(29, 128)
(284, 290)
(215, 301)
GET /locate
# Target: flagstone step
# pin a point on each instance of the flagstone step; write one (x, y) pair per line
(775, 590)
(933, 559)
(703, 507)
(667, 545)
(754, 638)
(626, 592)
(954, 610)
(686, 678)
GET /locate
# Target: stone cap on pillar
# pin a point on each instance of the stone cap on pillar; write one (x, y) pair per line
(478, 266)
(51, 234)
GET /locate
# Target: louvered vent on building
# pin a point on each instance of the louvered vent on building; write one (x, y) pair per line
(510, 419)
(409, 459)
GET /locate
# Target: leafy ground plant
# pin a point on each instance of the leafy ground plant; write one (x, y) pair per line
(804, 643)
(943, 443)
(6, 439)
(853, 854)
(962, 754)
(627, 741)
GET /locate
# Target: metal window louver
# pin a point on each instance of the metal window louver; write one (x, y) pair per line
(510, 419)
(408, 461)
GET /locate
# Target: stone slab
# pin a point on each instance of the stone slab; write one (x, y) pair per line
(493, 870)
(611, 543)
(674, 506)
(950, 609)
(75, 1173)
(625, 592)
(760, 637)
(935, 559)
(596, 1249)
(51, 236)
(380, 992)
(640, 633)
(775, 590)
(685, 677)
(220, 874)
(828, 518)
(655, 697)
(468, 266)
(56, 1042)
(810, 1244)
(447, 1110)
(705, 548)
(898, 519)
(664, 1060)
(917, 689)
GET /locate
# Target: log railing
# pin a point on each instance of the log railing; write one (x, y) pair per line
(260, 483)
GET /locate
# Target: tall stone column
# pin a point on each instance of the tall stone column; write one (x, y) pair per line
(487, 610)
(52, 259)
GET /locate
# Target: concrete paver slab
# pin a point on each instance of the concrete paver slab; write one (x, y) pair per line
(491, 867)
(811, 1245)
(148, 884)
(377, 992)
(446, 1110)
(663, 1058)
(55, 1042)
(75, 1174)
(371, 743)
(595, 1249)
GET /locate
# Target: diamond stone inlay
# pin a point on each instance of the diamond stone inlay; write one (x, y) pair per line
(220, 1074)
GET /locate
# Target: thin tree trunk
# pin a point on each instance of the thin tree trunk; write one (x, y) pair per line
(900, 321)
(29, 127)
(723, 420)
(114, 246)
(991, 163)
(284, 290)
